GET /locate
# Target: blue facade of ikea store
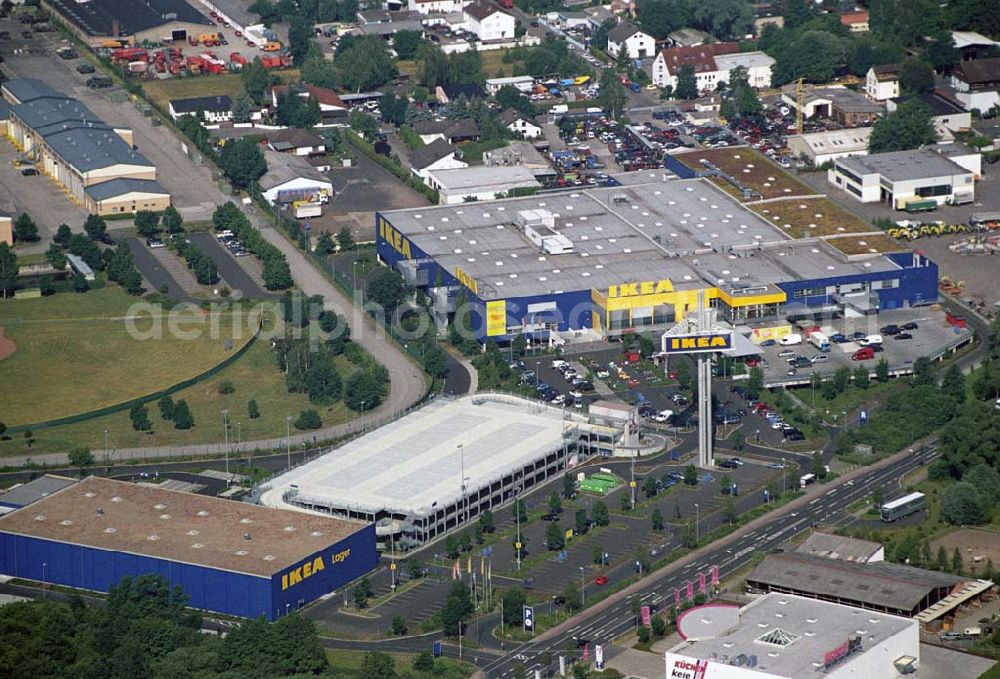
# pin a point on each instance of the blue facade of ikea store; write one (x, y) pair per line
(212, 589)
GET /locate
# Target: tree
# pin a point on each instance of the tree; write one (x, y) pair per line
(957, 567)
(861, 377)
(253, 412)
(405, 43)
(166, 406)
(657, 520)
(923, 372)
(182, 415)
(797, 12)
(377, 665)
(571, 593)
(255, 79)
(599, 514)
(80, 457)
(63, 234)
(80, 284)
(905, 20)
(414, 568)
(916, 76)
(243, 162)
(961, 505)
(953, 383)
(729, 512)
(626, 501)
(300, 35)
(457, 606)
(580, 523)
(139, 414)
(555, 503)
(172, 220)
(659, 626)
(649, 488)
(691, 475)
(95, 227)
(147, 223)
(687, 86)
(554, 537)
(568, 486)
(465, 541)
(878, 497)
(398, 628)
(308, 419)
(612, 97)
(344, 238)
(486, 521)
(45, 286)
(725, 19)
(25, 229)
(659, 18)
(882, 370)
(908, 127)
(365, 389)
(741, 99)
(513, 606)
(242, 108)
(9, 269)
(363, 63)
(295, 111)
(451, 547)
(817, 466)
(386, 289)
(424, 662)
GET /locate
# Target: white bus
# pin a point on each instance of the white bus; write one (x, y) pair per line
(807, 479)
(904, 506)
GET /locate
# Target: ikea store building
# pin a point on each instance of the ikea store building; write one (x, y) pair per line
(230, 557)
(633, 257)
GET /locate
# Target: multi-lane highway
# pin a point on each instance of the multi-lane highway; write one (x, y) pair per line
(606, 622)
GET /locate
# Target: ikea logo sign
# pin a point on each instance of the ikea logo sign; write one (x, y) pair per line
(311, 568)
(689, 344)
(394, 238)
(639, 289)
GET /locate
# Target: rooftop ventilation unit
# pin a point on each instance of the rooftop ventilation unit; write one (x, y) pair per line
(540, 228)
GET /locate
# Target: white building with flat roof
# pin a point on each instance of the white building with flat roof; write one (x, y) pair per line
(780, 636)
(481, 183)
(822, 147)
(440, 466)
(903, 177)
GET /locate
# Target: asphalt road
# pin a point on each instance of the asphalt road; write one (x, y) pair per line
(230, 270)
(606, 622)
(155, 273)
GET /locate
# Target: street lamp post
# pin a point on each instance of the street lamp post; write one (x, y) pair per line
(44, 564)
(697, 523)
(107, 456)
(517, 520)
(225, 426)
(288, 435)
(583, 588)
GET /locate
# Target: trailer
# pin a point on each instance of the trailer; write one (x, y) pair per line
(819, 340)
(305, 209)
(915, 206)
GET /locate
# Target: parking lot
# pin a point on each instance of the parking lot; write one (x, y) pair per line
(932, 334)
(191, 186)
(238, 273)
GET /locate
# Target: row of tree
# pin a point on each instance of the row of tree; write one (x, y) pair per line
(275, 270)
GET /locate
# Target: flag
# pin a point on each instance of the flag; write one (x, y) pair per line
(715, 576)
(701, 582)
(456, 570)
(586, 652)
(469, 566)
(569, 534)
(690, 590)
(677, 598)
(645, 616)
(482, 566)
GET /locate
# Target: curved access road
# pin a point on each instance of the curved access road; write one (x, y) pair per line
(407, 383)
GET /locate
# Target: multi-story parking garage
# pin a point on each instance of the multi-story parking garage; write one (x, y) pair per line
(439, 467)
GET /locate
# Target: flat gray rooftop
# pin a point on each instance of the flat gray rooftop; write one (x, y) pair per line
(34, 490)
(810, 628)
(839, 547)
(688, 231)
(415, 462)
(900, 166)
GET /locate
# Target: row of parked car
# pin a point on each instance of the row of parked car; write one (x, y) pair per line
(579, 385)
(228, 239)
(772, 416)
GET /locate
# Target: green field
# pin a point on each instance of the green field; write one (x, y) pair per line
(184, 87)
(347, 664)
(77, 353)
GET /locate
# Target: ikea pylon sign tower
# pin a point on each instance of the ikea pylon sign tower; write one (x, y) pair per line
(699, 336)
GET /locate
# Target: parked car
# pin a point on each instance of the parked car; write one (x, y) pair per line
(154, 243)
(912, 325)
(891, 329)
(902, 336)
(819, 358)
(863, 354)
(601, 580)
(85, 67)
(29, 172)
(769, 343)
(663, 416)
(785, 353)
(839, 338)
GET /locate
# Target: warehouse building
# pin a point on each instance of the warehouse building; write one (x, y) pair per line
(74, 147)
(606, 261)
(881, 586)
(229, 557)
(481, 183)
(439, 467)
(822, 147)
(778, 636)
(133, 21)
(290, 178)
(904, 178)
(842, 548)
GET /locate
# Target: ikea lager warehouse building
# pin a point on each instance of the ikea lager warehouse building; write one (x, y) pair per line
(229, 557)
(634, 256)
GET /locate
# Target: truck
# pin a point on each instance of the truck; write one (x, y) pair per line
(305, 209)
(238, 60)
(559, 108)
(100, 82)
(209, 39)
(819, 340)
(806, 480)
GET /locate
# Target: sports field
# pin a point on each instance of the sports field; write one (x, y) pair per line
(78, 353)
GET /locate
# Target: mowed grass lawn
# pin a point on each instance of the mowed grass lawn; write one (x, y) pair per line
(77, 353)
(185, 87)
(347, 664)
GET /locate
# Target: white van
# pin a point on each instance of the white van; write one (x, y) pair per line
(871, 339)
(559, 363)
(789, 340)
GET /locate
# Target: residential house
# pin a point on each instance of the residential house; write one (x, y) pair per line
(333, 109)
(688, 37)
(448, 93)
(758, 66)
(438, 155)
(212, 109)
(566, 19)
(451, 131)
(947, 115)
(629, 38)
(977, 83)
(489, 22)
(856, 22)
(882, 82)
(972, 45)
(520, 124)
(700, 57)
(435, 6)
(296, 142)
(597, 15)
(290, 178)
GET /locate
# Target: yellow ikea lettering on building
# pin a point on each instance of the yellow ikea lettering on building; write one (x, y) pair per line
(682, 343)
(641, 288)
(395, 239)
(311, 568)
(466, 280)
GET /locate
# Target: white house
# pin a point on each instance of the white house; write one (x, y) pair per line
(215, 109)
(438, 155)
(821, 147)
(520, 124)
(434, 6)
(626, 36)
(977, 83)
(290, 178)
(903, 177)
(480, 183)
(946, 115)
(703, 59)
(757, 64)
(522, 83)
(488, 22)
(882, 82)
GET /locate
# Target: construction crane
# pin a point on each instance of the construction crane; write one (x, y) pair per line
(798, 105)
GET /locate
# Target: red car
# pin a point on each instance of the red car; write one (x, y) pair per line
(601, 580)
